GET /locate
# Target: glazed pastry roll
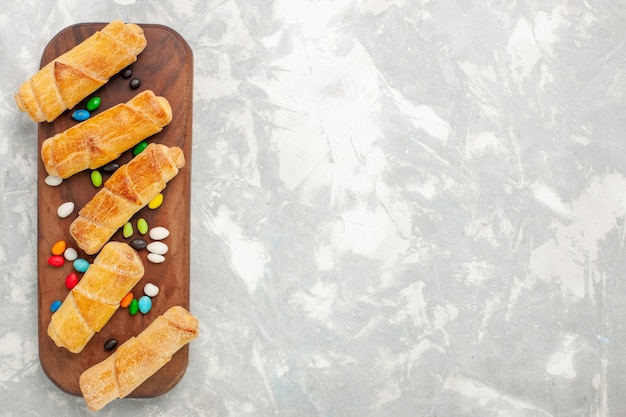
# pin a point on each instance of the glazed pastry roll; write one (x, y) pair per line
(131, 187)
(104, 137)
(72, 76)
(91, 303)
(138, 358)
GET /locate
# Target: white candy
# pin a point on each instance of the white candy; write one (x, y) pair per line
(158, 248)
(65, 209)
(150, 290)
(156, 258)
(70, 254)
(53, 180)
(159, 233)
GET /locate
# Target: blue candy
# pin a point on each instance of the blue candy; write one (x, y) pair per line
(55, 306)
(81, 265)
(81, 115)
(145, 304)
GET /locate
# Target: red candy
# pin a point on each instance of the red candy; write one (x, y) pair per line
(71, 280)
(56, 261)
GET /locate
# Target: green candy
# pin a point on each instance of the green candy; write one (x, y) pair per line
(93, 104)
(140, 147)
(142, 226)
(96, 178)
(127, 230)
(133, 308)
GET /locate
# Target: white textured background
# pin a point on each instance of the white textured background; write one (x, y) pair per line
(400, 208)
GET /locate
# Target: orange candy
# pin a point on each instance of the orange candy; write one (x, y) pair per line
(59, 247)
(126, 300)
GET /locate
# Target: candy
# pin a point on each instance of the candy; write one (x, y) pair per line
(96, 178)
(81, 265)
(71, 280)
(140, 147)
(110, 344)
(70, 254)
(80, 115)
(127, 230)
(65, 209)
(133, 308)
(53, 180)
(145, 304)
(156, 201)
(56, 261)
(155, 258)
(135, 83)
(55, 305)
(150, 290)
(158, 248)
(159, 233)
(138, 244)
(128, 298)
(142, 226)
(127, 73)
(59, 247)
(93, 103)
(110, 167)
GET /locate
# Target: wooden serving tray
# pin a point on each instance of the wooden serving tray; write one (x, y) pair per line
(165, 67)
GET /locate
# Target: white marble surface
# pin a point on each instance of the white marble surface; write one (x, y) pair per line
(400, 207)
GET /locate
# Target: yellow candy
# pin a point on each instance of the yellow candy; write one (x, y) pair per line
(156, 201)
(59, 247)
